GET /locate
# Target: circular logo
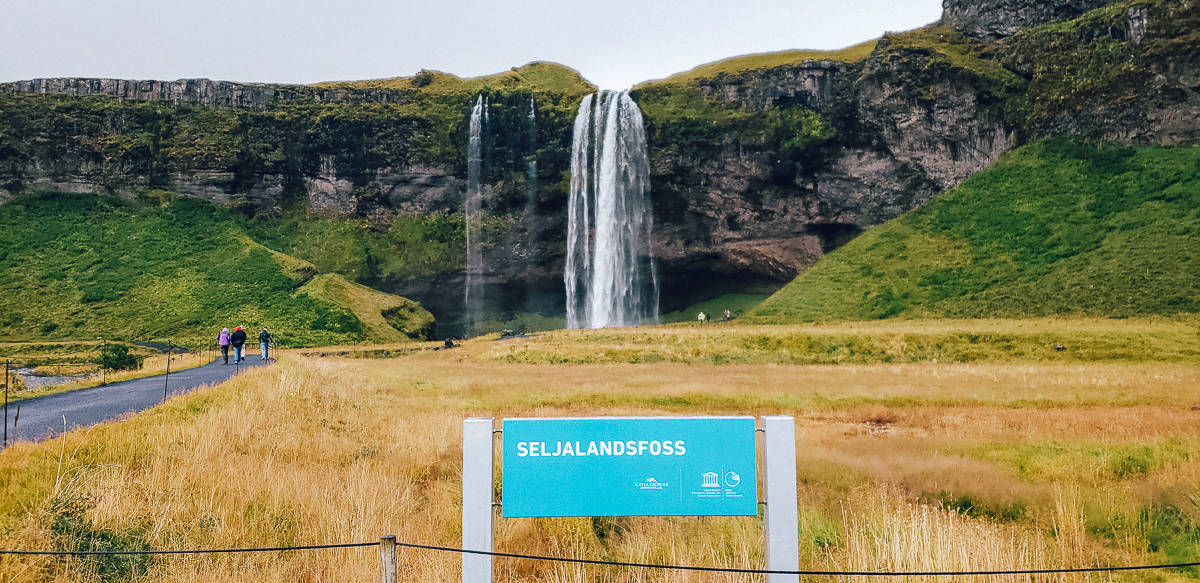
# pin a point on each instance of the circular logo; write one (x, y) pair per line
(732, 479)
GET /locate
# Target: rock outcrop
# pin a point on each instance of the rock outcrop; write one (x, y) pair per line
(208, 92)
(890, 135)
(996, 19)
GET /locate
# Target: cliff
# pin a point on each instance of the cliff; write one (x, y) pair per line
(996, 19)
(758, 173)
(760, 164)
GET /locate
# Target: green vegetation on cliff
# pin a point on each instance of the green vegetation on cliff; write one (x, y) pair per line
(538, 77)
(411, 246)
(84, 266)
(737, 65)
(1106, 59)
(1055, 227)
(351, 129)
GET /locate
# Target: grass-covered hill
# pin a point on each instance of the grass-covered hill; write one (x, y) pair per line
(1055, 227)
(87, 266)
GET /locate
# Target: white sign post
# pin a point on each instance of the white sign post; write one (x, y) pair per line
(477, 499)
(779, 489)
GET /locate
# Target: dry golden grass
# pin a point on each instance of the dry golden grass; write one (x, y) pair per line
(319, 450)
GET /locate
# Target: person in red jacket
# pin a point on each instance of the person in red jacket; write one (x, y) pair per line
(238, 340)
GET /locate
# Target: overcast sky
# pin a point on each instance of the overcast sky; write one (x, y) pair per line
(615, 44)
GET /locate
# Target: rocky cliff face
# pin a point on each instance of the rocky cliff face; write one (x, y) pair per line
(996, 19)
(209, 92)
(1127, 73)
(768, 196)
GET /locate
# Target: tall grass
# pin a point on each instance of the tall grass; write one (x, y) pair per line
(891, 470)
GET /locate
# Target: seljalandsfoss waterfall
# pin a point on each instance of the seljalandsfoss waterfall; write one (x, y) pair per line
(472, 209)
(610, 274)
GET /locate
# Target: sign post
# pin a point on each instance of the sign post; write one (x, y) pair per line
(477, 499)
(779, 488)
(631, 466)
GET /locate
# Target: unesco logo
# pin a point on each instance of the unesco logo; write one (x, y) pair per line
(710, 480)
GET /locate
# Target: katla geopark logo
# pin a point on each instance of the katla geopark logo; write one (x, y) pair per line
(651, 484)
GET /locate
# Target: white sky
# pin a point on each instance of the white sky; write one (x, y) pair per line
(614, 44)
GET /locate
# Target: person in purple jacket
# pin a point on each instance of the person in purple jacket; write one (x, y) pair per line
(223, 342)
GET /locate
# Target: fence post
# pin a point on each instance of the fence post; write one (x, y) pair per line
(477, 511)
(167, 377)
(387, 559)
(779, 487)
(103, 369)
(7, 362)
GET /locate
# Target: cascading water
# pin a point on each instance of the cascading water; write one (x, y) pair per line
(531, 171)
(610, 275)
(472, 207)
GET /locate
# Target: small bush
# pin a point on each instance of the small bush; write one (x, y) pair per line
(118, 357)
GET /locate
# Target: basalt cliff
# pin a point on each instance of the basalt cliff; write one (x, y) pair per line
(759, 165)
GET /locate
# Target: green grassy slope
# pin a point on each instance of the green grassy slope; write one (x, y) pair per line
(740, 64)
(82, 266)
(714, 309)
(1055, 227)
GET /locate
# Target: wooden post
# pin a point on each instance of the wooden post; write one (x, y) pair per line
(103, 369)
(6, 365)
(387, 559)
(167, 377)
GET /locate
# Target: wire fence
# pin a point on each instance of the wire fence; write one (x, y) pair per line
(95, 372)
(391, 542)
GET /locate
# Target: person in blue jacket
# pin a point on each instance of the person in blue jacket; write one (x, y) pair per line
(264, 342)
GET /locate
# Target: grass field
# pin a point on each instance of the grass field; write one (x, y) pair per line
(1014, 460)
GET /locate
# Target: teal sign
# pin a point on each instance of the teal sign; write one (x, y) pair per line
(645, 466)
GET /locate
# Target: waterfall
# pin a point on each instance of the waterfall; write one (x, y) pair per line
(610, 275)
(472, 208)
(531, 172)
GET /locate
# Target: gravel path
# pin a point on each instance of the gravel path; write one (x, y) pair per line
(41, 418)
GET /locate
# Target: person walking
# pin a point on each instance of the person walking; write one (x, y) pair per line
(223, 342)
(238, 340)
(264, 342)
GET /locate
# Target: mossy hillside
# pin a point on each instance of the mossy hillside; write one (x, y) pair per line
(1055, 227)
(1091, 61)
(411, 246)
(918, 60)
(714, 309)
(736, 66)
(87, 266)
(386, 318)
(538, 76)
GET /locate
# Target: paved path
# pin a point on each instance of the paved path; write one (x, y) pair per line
(42, 417)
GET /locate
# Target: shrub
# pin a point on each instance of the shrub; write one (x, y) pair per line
(118, 357)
